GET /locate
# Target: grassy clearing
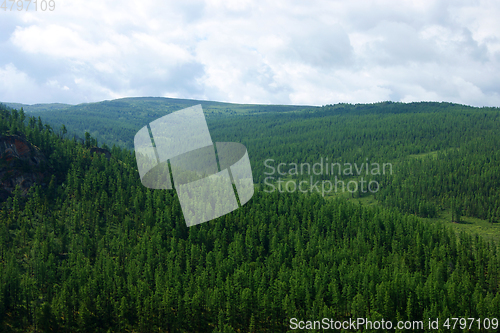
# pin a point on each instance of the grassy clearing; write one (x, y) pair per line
(432, 154)
(471, 225)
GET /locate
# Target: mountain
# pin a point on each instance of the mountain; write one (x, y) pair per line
(117, 121)
(38, 107)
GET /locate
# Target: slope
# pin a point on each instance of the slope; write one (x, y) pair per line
(98, 252)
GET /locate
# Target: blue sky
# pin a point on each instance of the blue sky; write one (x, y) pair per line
(279, 52)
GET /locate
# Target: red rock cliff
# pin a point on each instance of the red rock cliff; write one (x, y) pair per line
(21, 164)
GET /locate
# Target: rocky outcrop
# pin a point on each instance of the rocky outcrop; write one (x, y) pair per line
(21, 164)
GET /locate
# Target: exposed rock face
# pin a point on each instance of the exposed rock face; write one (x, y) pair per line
(20, 164)
(100, 151)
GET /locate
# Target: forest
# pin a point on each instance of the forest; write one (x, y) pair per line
(117, 121)
(92, 250)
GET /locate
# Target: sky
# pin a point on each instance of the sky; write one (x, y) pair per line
(267, 52)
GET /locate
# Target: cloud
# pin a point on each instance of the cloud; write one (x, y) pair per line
(12, 81)
(285, 52)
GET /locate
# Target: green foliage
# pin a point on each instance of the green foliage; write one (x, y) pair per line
(117, 121)
(95, 251)
(465, 180)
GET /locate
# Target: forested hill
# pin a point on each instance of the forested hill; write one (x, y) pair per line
(37, 107)
(117, 121)
(455, 174)
(95, 251)
(445, 157)
(456, 171)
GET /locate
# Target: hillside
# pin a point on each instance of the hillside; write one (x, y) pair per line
(95, 251)
(38, 107)
(459, 181)
(117, 121)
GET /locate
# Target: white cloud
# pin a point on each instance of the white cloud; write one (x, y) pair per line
(315, 52)
(16, 86)
(60, 42)
(15, 83)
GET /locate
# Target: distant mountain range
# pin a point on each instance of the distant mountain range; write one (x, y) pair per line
(117, 121)
(160, 104)
(38, 107)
